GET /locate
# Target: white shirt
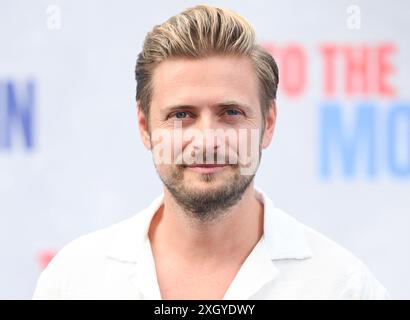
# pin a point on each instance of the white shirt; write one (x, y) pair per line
(291, 261)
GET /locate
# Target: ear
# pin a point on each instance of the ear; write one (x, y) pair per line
(270, 122)
(143, 127)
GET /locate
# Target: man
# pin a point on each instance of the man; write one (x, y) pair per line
(206, 96)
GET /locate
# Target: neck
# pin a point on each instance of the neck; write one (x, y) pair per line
(234, 234)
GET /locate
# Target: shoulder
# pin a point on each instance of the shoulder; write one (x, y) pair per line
(96, 243)
(80, 257)
(330, 264)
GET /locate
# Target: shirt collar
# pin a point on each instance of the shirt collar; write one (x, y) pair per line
(283, 237)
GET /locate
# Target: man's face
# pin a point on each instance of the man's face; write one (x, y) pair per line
(205, 130)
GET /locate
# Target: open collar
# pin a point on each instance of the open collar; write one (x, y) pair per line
(283, 236)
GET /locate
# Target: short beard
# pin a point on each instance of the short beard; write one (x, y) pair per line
(206, 206)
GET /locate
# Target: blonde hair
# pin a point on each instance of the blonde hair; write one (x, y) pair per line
(199, 32)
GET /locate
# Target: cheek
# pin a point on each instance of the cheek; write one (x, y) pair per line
(169, 172)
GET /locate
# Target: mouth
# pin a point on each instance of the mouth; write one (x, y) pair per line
(206, 168)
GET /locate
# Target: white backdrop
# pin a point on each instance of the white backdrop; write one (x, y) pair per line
(71, 160)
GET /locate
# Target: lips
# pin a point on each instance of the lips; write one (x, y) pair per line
(206, 168)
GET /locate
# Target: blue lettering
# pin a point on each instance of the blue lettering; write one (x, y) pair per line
(16, 113)
(399, 115)
(352, 145)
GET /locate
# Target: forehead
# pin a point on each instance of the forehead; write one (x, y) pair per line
(183, 80)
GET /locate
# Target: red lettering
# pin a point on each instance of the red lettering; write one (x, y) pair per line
(328, 53)
(356, 70)
(45, 256)
(384, 69)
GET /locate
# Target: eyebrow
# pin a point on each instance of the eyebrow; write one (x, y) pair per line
(229, 103)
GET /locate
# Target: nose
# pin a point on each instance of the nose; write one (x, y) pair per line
(208, 135)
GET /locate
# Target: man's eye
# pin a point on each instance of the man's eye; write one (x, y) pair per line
(232, 112)
(180, 115)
